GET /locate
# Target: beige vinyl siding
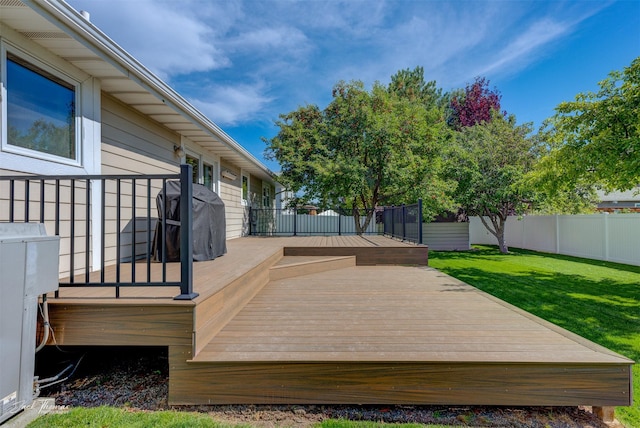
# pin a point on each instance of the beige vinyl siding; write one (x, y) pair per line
(231, 194)
(133, 144)
(35, 215)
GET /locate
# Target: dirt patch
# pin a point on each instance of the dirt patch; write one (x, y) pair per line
(138, 379)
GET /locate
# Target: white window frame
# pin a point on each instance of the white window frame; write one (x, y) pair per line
(201, 161)
(6, 147)
(87, 114)
(266, 186)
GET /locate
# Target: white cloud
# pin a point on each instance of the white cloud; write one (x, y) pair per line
(213, 51)
(165, 37)
(523, 49)
(230, 105)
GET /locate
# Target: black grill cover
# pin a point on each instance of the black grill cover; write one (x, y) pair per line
(209, 227)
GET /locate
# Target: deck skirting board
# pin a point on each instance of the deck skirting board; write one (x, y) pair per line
(401, 383)
(120, 325)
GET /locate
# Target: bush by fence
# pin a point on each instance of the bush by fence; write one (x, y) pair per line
(610, 237)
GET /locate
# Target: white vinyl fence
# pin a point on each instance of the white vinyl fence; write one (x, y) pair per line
(610, 237)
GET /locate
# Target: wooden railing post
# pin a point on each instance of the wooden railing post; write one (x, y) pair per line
(186, 234)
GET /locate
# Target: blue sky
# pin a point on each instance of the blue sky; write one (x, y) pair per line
(242, 63)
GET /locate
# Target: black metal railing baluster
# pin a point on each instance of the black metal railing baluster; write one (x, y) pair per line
(12, 198)
(27, 186)
(72, 237)
(133, 231)
(148, 230)
(117, 231)
(57, 222)
(87, 242)
(103, 227)
(163, 235)
(42, 198)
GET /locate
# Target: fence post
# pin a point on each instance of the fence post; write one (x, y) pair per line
(404, 222)
(250, 220)
(420, 221)
(339, 223)
(393, 221)
(186, 234)
(295, 221)
(606, 235)
(557, 224)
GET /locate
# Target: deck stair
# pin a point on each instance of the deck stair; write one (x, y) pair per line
(294, 266)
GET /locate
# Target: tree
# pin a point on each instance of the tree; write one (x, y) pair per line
(595, 139)
(410, 84)
(365, 149)
(475, 105)
(488, 162)
(552, 192)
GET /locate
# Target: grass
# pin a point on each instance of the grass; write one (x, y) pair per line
(111, 417)
(594, 299)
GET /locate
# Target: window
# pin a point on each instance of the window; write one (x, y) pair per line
(266, 195)
(203, 172)
(207, 175)
(41, 110)
(245, 189)
(195, 165)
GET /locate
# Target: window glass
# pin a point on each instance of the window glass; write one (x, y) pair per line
(266, 196)
(195, 164)
(208, 175)
(245, 188)
(40, 110)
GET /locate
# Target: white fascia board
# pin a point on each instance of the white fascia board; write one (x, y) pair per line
(70, 20)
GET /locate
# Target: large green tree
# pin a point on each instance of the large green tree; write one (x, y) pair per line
(595, 139)
(488, 162)
(365, 149)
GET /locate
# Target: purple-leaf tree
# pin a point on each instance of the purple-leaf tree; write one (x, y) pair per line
(475, 105)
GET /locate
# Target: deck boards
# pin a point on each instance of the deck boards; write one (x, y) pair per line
(210, 277)
(357, 334)
(388, 314)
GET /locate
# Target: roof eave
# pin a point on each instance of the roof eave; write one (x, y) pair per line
(64, 16)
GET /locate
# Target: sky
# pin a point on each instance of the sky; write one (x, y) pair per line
(243, 63)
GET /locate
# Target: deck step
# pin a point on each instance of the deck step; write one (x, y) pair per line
(293, 266)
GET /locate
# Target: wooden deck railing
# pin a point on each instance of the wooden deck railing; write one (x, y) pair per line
(105, 220)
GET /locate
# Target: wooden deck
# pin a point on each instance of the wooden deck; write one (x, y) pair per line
(325, 326)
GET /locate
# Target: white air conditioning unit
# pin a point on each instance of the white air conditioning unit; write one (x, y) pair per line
(28, 268)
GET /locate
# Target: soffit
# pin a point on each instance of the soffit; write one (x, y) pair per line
(120, 82)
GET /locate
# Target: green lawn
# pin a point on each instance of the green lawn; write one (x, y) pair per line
(597, 300)
(111, 417)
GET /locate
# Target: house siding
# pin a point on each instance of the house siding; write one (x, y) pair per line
(132, 144)
(230, 192)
